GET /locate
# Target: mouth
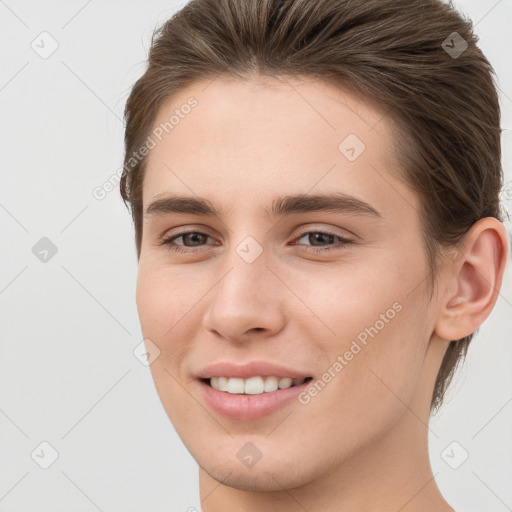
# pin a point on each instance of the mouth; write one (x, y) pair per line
(256, 385)
(251, 390)
(252, 398)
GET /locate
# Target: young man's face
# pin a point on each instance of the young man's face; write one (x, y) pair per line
(247, 286)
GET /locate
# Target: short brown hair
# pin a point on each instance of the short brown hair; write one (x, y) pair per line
(417, 58)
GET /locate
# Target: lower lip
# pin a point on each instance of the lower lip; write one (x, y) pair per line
(249, 407)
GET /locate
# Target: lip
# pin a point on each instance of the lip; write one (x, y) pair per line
(249, 407)
(249, 369)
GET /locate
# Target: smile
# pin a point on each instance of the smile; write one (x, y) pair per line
(254, 385)
(246, 406)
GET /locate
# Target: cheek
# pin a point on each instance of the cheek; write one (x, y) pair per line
(163, 298)
(169, 303)
(379, 337)
(162, 303)
(386, 368)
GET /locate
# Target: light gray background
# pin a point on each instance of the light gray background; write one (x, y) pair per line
(68, 326)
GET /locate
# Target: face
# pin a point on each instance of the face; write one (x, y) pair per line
(254, 288)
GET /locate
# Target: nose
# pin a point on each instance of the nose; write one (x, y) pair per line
(246, 302)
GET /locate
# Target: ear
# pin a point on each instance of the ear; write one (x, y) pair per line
(474, 277)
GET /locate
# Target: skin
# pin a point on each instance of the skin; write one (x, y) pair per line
(361, 443)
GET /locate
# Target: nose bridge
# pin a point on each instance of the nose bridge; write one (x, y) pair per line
(245, 281)
(243, 298)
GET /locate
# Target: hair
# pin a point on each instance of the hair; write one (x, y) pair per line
(444, 105)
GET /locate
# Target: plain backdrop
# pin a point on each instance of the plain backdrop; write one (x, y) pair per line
(69, 324)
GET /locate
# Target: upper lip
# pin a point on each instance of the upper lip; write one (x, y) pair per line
(249, 369)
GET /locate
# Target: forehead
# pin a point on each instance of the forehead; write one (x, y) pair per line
(266, 136)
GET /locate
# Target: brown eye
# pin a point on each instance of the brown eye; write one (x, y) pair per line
(317, 238)
(190, 239)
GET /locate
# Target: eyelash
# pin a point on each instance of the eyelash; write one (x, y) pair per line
(345, 242)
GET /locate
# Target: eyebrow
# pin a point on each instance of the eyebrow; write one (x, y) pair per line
(281, 206)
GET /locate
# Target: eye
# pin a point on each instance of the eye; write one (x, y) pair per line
(195, 237)
(323, 237)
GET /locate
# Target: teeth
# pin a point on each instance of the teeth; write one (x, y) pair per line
(285, 383)
(253, 385)
(271, 384)
(223, 383)
(235, 385)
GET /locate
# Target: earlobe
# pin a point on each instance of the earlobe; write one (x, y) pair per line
(477, 275)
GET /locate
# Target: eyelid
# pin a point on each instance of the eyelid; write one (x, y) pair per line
(306, 228)
(344, 241)
(181, 230)
(168, 236)
(169, 240)
(302, 230)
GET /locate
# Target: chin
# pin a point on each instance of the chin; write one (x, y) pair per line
(274, 471)
(262, 479)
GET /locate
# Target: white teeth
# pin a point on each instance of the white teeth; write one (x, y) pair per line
(223, 383)
(253, 385)
(271, 384)
(235, 385)
(285, 382)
